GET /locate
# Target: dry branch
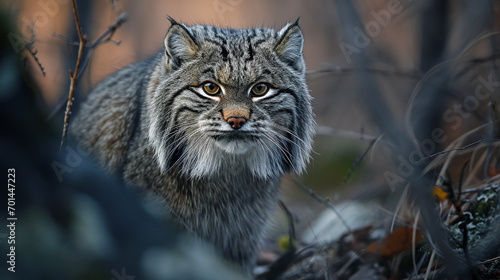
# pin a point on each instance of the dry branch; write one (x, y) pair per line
(73, 75)
(327, 204)
(29, 45)
(83, 43)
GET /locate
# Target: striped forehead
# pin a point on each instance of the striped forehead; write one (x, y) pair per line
(237, 51)
(233, 43)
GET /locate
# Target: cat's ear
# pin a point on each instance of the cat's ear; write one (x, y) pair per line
(290, 44)
(180, 44)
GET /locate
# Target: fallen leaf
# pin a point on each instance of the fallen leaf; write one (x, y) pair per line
(396, 242)
(492, 172)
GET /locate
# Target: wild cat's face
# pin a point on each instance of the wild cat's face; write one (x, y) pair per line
(232, 99)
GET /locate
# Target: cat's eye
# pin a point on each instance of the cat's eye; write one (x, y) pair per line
(211, 88)
(260, 89)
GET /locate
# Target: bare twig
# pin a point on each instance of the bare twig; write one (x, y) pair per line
(330, 131)
(108, 34)
(458, 149)
(29, 45)
(66, 39)
(490, 260)
(80, 67)
(33, 54)
(73, 75)
(291, 225)
(482, 189)
(322, 201)
(104, 38)
(358, 160)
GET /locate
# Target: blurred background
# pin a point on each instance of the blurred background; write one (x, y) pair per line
(388, 77)
(336, 104)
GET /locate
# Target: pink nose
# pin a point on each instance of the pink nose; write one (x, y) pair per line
(236, 122)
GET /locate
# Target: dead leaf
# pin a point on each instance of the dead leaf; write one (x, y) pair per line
(492, 172)
(398, 241)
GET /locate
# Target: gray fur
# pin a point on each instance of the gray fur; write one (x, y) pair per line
(153, 123)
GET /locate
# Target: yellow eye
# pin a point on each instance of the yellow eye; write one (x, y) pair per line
(260, 89)
(211, 88)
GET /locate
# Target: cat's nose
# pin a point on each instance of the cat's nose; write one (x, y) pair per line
(236, 122)
(235, 117)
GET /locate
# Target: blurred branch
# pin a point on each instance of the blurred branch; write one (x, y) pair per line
(33, 54)
(65, 39)
(291, 225)
(322, 201)
(359, 159)
(329, 131)
(452, 150)
(382, 70)
(73, 75)
(482, 189)
(326, 130)
(108, 34)
(105, 37)
(29, 45)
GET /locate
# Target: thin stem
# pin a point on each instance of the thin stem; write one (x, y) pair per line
(73, 75)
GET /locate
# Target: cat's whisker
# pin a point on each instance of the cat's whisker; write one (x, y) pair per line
(285, 152)
(284, 129)
(178, 142)
(176, 129)
(182, 140)
(184, 155)
(179, 135)
(263, 144)
(288, 140)
(276, 142)
(180, 159)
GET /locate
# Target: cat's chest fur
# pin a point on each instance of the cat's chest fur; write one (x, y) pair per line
(228, 210)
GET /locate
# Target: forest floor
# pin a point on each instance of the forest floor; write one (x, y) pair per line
(467, 200)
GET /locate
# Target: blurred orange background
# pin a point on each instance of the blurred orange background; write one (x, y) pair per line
(143, 33)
